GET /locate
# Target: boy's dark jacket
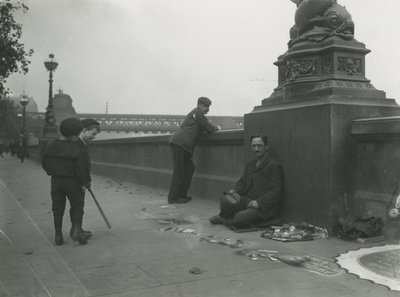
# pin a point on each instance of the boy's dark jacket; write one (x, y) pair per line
(64, 158)
(86, 158)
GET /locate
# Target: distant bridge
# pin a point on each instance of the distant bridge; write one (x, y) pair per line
(154, 123)
(136, 123)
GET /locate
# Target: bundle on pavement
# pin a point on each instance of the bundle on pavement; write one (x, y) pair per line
(294, 232)
(353, 228)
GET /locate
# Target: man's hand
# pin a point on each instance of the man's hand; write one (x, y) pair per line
(253, 204)
(232, 196)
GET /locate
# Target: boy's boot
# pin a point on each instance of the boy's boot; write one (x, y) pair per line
(76, 232)
(59, 240)
(87, 234)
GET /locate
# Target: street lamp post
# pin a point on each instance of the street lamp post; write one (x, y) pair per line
(19, 116)
(50, 128)
(24, 102)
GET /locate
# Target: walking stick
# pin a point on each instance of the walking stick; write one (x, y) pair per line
(99, 207)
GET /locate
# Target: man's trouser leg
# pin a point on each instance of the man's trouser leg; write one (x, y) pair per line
(238, 215)
(188, 174)
(229, 209)
(244, 218)
(59, 199)
(178, 173)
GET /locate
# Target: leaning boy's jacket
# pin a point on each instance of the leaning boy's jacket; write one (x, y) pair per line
(63, 158)
(194, 125)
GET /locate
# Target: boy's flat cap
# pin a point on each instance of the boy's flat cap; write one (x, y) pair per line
(71, 127)
(204, 100)
(89, 122)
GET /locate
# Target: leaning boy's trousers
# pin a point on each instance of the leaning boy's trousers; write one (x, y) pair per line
(182, 173)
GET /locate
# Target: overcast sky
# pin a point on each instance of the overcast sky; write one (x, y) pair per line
(159, 56)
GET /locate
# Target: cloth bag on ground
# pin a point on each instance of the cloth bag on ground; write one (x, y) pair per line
(351, 228)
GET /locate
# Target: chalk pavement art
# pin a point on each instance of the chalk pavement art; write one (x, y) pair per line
(379, 264)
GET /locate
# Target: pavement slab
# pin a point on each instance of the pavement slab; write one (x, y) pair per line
(279, 283)
(23, 287)
(126, 277)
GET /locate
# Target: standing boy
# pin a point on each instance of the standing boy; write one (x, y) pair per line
(63, 161)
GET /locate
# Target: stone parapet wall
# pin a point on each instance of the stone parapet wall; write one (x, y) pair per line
(147, 160)
(378, 163)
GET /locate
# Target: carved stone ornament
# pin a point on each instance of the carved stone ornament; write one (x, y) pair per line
(350, 65)
(282, 74)
(317, 20)
(345, 84)
(327, 65)
(300, 68)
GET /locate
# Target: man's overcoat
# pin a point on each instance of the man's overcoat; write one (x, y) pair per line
(264, 184)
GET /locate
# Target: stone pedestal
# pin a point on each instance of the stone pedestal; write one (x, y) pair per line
(322, 88)
(378, 164)
(334, 67)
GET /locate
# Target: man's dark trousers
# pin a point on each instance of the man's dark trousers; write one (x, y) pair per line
(238, 215)
(182, 173)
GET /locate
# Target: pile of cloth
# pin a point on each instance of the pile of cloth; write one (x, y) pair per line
(294, 232)
(353, 227)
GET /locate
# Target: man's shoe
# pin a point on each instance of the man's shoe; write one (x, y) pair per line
(216, 220)
(178, 201)
(59, 239)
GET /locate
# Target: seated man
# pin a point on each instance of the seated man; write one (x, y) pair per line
(256, 197)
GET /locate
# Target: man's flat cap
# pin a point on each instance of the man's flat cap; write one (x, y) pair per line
(204, 100)
(71, 127)
(89, 122)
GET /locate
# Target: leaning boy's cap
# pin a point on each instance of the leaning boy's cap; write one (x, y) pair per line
(71, 127)
(89, 122)
(204, 100)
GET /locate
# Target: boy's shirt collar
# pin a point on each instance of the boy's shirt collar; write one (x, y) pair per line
(84, 142)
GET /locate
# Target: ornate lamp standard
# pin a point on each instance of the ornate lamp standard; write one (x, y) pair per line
(24, 102)
(19, 116)
(50, 128)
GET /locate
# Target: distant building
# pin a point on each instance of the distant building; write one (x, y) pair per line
(62, 106)
(30, 107)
